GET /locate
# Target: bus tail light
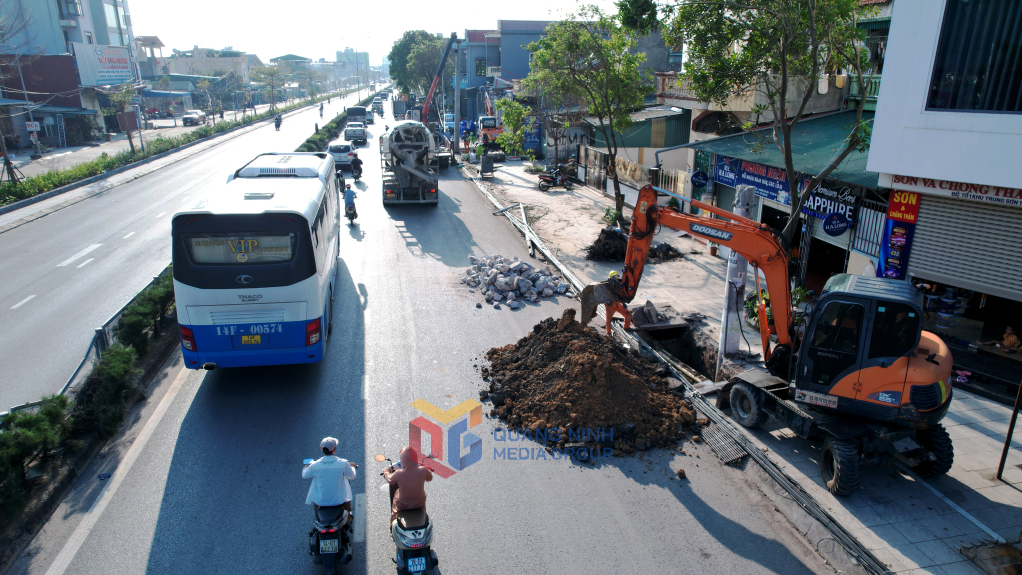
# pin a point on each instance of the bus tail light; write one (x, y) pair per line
(188, 339)
(312, 332)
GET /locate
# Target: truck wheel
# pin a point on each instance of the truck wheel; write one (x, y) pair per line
(840, 467)
(747, 405)
(937, 441)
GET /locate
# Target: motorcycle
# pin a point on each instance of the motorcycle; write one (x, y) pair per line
(277, 123)
(349, 212)
(412, 532)
(553, 179)
(356, 173)
(330, 538)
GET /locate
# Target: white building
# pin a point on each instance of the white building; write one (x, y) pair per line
(948, 130)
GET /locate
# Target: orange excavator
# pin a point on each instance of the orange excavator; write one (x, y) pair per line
(862, 377)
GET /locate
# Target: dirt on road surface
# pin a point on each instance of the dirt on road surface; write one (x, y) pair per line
(563, 376)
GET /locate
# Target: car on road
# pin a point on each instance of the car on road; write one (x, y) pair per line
(193, 118)
(369, 119)
(355, 132)
(342, 153)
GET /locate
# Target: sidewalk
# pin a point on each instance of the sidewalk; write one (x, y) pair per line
(63, 158)
(905, 524)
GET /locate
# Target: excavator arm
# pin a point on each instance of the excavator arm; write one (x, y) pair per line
(758, 243)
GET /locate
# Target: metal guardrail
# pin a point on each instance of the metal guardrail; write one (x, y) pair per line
(102, 339)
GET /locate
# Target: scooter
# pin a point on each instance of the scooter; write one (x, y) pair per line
(330, 538)
(356, 173)
(553, 179)
(349, 212)
(276, 123)
(412, 532)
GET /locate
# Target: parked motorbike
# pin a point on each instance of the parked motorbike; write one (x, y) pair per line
(553, 179)
(330, 538)
(412, 532)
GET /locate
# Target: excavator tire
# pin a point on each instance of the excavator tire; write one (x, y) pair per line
(840, 466)
(937, 441)
(747, 405)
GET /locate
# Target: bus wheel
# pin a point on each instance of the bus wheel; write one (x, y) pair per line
(330, 314)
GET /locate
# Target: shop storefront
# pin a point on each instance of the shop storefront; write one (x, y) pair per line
(957, 241)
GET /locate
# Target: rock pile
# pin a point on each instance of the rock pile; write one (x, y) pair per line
(612, 244)
(564, 377)
(512, 281)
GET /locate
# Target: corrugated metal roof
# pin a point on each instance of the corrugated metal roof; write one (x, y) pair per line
(477, 35)
(814, 142)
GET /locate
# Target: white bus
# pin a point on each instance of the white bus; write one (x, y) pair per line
(254, 264)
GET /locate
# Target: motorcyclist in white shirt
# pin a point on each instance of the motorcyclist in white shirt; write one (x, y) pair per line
(330, 475)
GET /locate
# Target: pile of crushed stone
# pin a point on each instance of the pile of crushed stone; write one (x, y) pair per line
(564, 377)
(612, 243)
(512, 281)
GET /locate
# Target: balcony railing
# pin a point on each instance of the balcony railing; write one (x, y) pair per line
(872, 87)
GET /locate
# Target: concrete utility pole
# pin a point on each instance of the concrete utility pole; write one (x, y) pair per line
(734, 298)
(457, 98)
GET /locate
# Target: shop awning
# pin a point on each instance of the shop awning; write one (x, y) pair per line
(164, 94)
(814, 141)
(63, 110)
(882, 23)
(12, 102)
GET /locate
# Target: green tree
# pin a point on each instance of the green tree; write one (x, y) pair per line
(786, 47)
(399, 54)
(517, 123)
(162, 83)
(271, 79)
(121, 101)
(557, 109)
(588, 56)
(424, 61)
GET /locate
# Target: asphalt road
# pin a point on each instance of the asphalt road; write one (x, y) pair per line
(67, 273)
(213, 484)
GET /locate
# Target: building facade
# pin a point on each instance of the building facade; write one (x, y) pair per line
(946, 139)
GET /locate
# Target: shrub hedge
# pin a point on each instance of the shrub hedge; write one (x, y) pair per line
(10, 193)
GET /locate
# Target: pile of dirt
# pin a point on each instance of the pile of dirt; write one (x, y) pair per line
(612, 243)
(564, 377)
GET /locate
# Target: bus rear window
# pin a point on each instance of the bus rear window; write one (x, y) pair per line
(241, 249)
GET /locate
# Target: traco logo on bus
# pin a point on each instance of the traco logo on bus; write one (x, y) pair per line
(711, 232)
(892, 397)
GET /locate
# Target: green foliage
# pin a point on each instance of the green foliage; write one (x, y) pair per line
(673, 203)
(145, 312)
(611, 215)
(516, 123)
(400, 54)
(329, 132)
(784, 49)
(423, 61)
(121, 101)
(270, 79)
(799, 296)
(638, 15)
(23, 435)
(10, 193)
(102, 402)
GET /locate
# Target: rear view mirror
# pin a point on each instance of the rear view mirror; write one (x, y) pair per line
(380, 457)
(433, 455)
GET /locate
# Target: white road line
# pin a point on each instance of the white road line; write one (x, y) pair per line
(159, 215)
(25, 301)
(74, 543)
(85, 263)
(128, 236)
(78, 255)
(358, 519)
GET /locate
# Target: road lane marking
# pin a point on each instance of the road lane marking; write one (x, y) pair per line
(78, 255)
(128, 236)
(25, 301)
(159, 215)
(106, 494)
(358, 519)
(85, 263)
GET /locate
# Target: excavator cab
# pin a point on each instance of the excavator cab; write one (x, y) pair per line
(865, 348)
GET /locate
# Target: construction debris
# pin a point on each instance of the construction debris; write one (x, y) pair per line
(563, 378)
(612, 243)
(513, 281)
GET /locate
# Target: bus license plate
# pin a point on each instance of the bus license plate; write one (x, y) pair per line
(416, 564)
(327, 546)
(251, 339)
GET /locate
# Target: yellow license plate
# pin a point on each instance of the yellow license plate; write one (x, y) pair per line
(251, 339)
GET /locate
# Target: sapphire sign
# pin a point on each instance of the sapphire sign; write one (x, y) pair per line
(835, 224)
(699, 179)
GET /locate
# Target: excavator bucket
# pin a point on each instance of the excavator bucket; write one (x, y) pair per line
(593, 295)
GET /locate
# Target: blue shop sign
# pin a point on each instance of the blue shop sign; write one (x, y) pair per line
(836, 224)
(770, 183)
(699, 179)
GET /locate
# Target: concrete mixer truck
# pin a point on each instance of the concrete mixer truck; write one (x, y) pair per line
(407, 151)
